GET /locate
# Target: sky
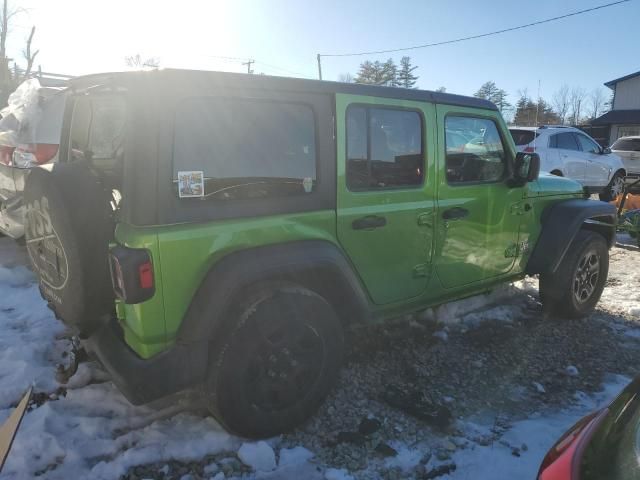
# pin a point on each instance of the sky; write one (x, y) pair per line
(283, 36)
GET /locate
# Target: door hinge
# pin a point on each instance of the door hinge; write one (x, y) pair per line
(426, 219)
(517, 249)
(520, 208)
(420, 270)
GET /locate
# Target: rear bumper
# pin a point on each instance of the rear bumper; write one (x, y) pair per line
(144, 380)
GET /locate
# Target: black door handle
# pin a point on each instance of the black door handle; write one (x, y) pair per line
(370, 221)
(455, 213)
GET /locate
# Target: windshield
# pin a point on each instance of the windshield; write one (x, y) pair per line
(627, 145)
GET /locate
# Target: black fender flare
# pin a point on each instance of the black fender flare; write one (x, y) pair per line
(560, 224)
(316, 264)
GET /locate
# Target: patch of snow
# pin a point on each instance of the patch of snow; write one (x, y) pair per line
(407, 457)
(539, 433)
(218, 476)
(294, 456)
(539, 388)
(442, 335)
(259, 456)
(337, 474)
(571, 371)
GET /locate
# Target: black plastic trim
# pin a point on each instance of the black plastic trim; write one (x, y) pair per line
(144, 380)
(560, 224)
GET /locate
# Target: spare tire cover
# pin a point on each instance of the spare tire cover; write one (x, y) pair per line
(68, 227)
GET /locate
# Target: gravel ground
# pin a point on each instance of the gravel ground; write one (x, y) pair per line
(414, 382)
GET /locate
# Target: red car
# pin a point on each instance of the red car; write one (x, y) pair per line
(604, 445)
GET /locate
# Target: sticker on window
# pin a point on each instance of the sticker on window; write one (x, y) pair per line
(191, 184)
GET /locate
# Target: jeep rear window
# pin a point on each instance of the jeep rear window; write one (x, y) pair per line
(246, 148)
(523, 137)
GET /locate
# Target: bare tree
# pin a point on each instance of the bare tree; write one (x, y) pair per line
(138, 62)
(561, 102)
(28, 56)
(345, 78)
(441, 89)
(5, 23)
(577, 99)
(597, 102)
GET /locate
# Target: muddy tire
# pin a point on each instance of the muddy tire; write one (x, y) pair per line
(277, 363)
(68, 226)
(614, 189)
(575, 288)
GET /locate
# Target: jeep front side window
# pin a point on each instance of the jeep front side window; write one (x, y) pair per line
(384, 148)
(246, 148)
(474, 150)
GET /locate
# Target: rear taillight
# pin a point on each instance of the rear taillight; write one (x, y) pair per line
(132, 274)
(6, 154)
(33, 154)
(529, 149)
(562, 462)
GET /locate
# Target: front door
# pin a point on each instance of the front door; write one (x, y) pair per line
(478, 215)
(570, 156)
(597, 170)
(386, 192)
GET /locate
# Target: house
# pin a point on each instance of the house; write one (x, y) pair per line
(624, 117)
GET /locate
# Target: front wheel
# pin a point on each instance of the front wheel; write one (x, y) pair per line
(614, 189)
(574, 289)
(278, 362)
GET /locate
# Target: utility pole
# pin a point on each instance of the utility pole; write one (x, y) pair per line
(248, 63)
(319, 68)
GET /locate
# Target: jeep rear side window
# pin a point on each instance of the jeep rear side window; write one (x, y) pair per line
(384, 148)
(474, 149)
(246, 148)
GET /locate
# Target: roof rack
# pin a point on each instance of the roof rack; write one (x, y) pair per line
(555, 126)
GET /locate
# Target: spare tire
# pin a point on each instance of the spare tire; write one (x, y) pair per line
(68, 226)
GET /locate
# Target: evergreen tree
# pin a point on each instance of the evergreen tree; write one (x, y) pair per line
(406, 78)
(489, 91)
(366, 73)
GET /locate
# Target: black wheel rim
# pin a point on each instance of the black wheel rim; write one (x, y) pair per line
(586, 277)
(285, 366)
(617, 187)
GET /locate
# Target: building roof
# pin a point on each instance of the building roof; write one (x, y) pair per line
(618, 117)
(611, 83)
(174, 77)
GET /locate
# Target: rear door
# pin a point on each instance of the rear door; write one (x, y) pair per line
(478, 215)
(385, 196)
(598, 170)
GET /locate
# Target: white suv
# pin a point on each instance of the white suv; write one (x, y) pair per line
(569, 152)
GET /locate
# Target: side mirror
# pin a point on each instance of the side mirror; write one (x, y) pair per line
(605, 151)
(526, 168)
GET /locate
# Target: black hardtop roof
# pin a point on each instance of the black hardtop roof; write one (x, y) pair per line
(240, 80)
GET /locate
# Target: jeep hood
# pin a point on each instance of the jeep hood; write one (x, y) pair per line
(551, 185)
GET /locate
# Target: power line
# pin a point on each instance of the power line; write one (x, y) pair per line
(473, 37)
(245, 60)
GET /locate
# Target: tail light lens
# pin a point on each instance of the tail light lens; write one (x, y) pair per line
(529, 149)
(132, 274)
(26, 156)
(6, 154)
(562, 462)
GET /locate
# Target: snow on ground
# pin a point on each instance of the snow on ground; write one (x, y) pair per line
(89, 431)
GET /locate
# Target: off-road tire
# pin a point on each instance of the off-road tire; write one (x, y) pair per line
(259, 340)
(558, 290)
(615, 185)
(68, 227)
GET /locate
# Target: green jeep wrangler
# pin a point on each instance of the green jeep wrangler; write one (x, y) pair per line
(219, 231)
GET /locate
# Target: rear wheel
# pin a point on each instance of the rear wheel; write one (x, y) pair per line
(614, 189)
(278, 362)
(575, 288)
